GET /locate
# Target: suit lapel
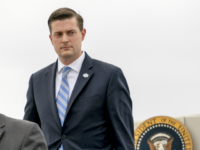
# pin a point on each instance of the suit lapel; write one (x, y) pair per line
(50, 86)
(2, 125)
(81, 81)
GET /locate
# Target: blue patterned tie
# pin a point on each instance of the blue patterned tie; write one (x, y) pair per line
(63, 97)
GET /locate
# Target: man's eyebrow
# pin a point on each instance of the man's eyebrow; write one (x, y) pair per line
(71, 30)
(65, 31)
(57, 32)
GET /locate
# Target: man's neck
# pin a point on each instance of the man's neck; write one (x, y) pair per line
(67, 61)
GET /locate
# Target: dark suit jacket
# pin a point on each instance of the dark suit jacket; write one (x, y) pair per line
(98, 115)
(20, 135)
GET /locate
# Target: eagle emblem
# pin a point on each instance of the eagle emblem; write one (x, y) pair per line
(160, 141)
(162, 133)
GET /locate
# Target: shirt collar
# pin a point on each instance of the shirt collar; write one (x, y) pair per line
(75, 65)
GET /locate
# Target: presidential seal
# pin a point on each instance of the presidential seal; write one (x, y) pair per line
(162, 133)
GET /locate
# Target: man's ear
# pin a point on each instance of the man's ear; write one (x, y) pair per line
(83, 32)
(50, 37)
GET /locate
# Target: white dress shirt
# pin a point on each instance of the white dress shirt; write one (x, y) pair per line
(73, 74)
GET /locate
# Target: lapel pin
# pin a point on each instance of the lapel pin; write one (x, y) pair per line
(85, 75)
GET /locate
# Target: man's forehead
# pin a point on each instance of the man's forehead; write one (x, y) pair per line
(65, 24)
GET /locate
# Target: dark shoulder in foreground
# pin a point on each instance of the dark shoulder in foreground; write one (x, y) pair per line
(45, 69)
(104, 65)
(17, 122)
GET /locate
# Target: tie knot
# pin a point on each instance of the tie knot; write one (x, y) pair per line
(65, 71)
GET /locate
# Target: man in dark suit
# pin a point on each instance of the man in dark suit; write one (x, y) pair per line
(79, 102)
(20, 135)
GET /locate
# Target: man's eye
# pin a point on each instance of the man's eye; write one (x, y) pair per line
(71, 32)
(58, 34)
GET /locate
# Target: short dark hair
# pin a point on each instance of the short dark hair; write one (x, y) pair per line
(65, 13)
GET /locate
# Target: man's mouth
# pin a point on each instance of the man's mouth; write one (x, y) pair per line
(65, 47)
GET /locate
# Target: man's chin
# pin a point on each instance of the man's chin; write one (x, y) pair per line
(67, 56)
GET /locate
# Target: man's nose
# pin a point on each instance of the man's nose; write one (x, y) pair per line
(65, 38)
